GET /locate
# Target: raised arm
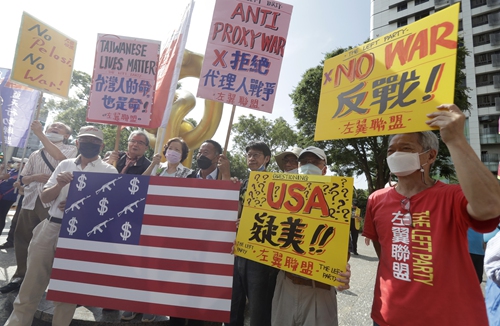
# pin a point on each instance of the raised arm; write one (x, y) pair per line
(479, 185)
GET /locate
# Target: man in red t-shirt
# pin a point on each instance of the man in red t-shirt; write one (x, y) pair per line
(419, 229)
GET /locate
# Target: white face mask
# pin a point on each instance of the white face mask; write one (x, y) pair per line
(55, 138)
(310, 169)
(402, 163)
(293, 171)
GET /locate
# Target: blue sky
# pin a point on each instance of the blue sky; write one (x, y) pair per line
(317, 27)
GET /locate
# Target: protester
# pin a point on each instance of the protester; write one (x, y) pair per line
(253, 281)
(212, 164)
(7, 194)
(492, 268)
(354, 232)
(9, 243)
(288, 160)
(42, 246)
(35, 174)
(175, 151)
(133, 160)
(297, 300)
(419, 229)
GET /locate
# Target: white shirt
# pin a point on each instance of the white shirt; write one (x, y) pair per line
(36, 165)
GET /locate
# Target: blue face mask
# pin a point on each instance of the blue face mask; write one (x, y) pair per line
(310, 169)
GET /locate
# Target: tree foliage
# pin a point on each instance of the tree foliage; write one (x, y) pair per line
(277, 134)
(357, 156)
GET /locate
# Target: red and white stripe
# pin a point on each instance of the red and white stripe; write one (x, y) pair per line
(182, 266)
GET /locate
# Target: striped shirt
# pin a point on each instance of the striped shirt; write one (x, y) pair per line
(36, 165)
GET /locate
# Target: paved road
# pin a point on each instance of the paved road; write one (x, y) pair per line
(354, 304)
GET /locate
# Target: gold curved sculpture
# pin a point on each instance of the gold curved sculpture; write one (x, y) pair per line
(184, 102)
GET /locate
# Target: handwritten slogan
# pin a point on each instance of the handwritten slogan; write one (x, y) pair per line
(388, 85)
(44, 57)
(124, 80)
(297, 223)
(244, 53)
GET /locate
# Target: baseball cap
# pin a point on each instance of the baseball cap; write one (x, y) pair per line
(316, 151)
(279, 158)
(91, 131)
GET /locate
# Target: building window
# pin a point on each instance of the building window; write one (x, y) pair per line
(477, 3)
(402, 6)
(481, 39)
(421, 15)
(484, 80)
(460, 25)
(486, 100)
(479, 20)
(419, 2)
(402, 22)
(482, 59)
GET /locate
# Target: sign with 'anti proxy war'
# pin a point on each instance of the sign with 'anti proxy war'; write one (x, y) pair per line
(388, 85)
(297, 223)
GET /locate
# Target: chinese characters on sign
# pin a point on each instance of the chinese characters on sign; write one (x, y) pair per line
(297, 223)
(388, 85)
(244, 53)
(19, 103)
(44, 57)
(124, 80)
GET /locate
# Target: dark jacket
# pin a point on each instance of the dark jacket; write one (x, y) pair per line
(138, 168)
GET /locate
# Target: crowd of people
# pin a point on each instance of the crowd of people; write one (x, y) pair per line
(418, 228)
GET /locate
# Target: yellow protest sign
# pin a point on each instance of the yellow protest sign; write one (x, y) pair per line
(298, 223)
(357, 219)
(44, 57)
(388, 85)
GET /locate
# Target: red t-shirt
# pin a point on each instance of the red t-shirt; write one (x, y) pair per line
(425, 275)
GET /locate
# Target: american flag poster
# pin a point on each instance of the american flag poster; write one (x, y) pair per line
(147, 244)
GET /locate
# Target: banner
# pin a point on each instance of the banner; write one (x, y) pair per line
(44, 57)
(245, 49)
(388, 85)
(124, 80)
(19, 103)
(147, 244)
(169, 70)
(297, 223)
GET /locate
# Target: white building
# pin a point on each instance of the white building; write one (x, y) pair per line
(480, 27)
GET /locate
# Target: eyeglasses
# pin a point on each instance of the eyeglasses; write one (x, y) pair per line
(253, 155)
(138, 142)
(407, 218)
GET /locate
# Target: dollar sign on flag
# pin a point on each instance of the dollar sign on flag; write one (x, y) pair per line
(72, 226)
(81, 182)
(134, 187)
(103, 209)
(126, 233)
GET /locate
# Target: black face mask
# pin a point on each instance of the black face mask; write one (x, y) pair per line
(89, 150)
(204, 162)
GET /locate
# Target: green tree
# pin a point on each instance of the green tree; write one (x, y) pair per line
(359, 156)
(277, 134)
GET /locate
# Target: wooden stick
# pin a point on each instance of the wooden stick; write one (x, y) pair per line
(226, 144)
